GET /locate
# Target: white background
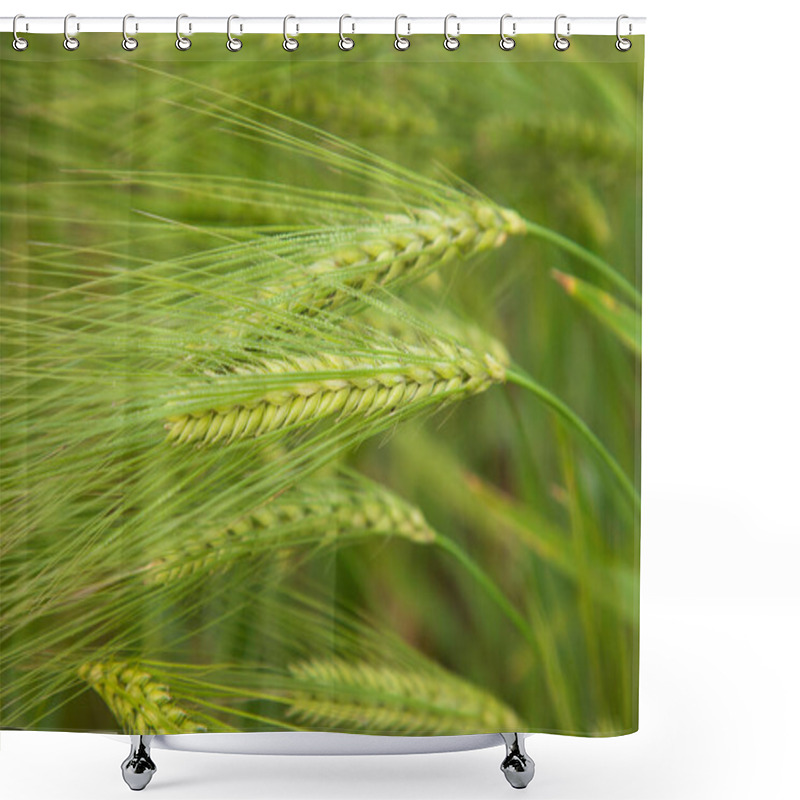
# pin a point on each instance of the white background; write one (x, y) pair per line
(720, 705)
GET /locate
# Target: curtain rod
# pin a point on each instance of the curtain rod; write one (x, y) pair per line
(407, 26)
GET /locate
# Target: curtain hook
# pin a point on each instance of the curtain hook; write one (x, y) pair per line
(506, 42)
(233, 44)
(561, 44)
(400, 42)
(451, 42)
(181, 42)
(128, 42)
(19, 43)
(289, 44)
(345, 42)
(70, 42)
(623, 45)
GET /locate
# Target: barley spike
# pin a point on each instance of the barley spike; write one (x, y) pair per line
(363, 696)
(351, 387)
(319, 512)
(404, 246)
(138, 702)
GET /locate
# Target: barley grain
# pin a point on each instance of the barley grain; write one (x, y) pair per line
(139, 703)
(405, 246)
(319, 512)
(362, 696)
(306, 389)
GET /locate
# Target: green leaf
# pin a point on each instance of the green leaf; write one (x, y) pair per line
(622, 320)
(607, 579)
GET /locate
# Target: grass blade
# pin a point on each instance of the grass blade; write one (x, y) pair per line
(623, 321)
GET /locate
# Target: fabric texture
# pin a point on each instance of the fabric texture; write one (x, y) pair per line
(320, 386)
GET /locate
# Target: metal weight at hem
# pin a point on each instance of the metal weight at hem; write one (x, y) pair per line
(517, 766)
(138, 768)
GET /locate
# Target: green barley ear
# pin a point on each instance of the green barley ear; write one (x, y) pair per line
(401, 323)
(138, 702)
(405, 247)
(320, 512)
(271, 395)
(362, 696)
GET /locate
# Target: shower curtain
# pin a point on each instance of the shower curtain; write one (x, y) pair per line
(320, 386)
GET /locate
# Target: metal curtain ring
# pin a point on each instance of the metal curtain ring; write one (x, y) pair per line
(506, 42)
(345, 42)
(233, 44)
(19, 43)
(451, 42)
(289, 44)
(400, 42)
(623, 45)
(128, 42)
(561, 44)
(181, 42)
(70, 42)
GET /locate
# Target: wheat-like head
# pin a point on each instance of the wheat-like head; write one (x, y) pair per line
(306, 389)
(139, 703)
(386, 699)
(320, 512)
(406, 246)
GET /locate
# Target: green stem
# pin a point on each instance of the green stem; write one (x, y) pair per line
(588, 257)
(490, 587)
(558, 697)
(519, 377)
